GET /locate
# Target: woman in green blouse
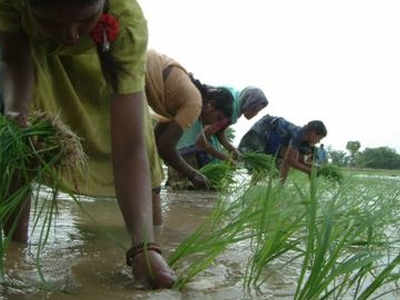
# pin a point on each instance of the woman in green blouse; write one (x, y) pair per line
(70, 58)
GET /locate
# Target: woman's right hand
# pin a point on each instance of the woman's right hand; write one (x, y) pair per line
(152, 270)
(236, 155)
(199, 181)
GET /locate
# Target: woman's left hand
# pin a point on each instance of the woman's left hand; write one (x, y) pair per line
(236, 154)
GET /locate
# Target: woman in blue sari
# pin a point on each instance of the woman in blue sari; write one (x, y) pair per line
(247, 102)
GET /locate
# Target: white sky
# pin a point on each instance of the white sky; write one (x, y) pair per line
(337, 61)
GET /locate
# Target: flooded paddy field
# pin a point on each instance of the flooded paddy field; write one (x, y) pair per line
(85, 257)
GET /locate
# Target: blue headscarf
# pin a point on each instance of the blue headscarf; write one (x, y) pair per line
(252, 97)
(243, 100)
(235, 104)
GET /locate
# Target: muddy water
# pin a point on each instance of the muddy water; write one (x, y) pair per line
(85, 259)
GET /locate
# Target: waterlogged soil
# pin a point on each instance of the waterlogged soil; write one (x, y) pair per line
(85, 257)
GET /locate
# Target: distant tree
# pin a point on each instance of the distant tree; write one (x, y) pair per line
(338, 157)
(353, 147)
(379, 158)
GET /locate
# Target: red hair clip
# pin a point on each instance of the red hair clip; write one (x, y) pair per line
(105, 31)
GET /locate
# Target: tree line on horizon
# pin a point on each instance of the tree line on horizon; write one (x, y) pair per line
(372, 158)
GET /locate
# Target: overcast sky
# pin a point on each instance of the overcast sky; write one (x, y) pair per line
(337, 61)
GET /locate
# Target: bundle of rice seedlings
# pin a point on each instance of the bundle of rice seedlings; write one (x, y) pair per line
(45, 146)
(220, 175)
(258, 161)
(260, 166)
(39, 153)
(58, 144)
(331, 172)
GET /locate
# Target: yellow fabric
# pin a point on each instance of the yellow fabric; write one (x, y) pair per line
(69, 83)
(177, 98)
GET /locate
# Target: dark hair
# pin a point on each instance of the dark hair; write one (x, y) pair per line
(318, 127)
(110, 67)
(221, 98)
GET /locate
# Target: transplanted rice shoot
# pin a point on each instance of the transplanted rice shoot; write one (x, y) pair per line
(330, 172)
(341, 237)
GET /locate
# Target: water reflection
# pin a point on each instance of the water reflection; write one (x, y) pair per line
(85, 253)
(85, 256)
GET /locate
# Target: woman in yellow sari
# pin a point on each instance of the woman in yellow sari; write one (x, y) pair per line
(85, 61)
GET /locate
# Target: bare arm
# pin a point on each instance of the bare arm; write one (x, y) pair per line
(227, 145)
(133, 187)
(202, 143)
(131, 167)
(291, 158)
(167, 137)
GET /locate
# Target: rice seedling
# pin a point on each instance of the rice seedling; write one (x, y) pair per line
(258, 161)
(275, 232)
(220, 175)
(226, 226)
(337, 235)
(260, 166)
(330, 172)
(347, 238)
(230, 223)
(40, 153)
